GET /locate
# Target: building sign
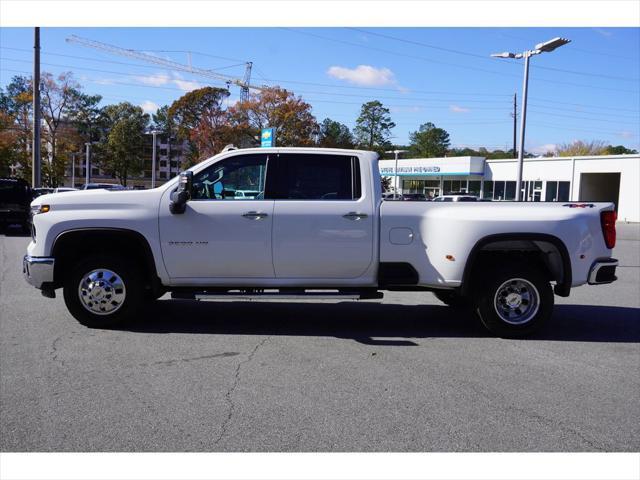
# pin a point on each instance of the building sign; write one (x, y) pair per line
(432, 167)
(268, 137)
(410, 170)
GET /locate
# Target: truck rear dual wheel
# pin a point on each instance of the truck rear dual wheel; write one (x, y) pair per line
(515, 301)
(103, 291)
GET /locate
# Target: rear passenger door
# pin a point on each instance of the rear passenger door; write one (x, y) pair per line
(322, 223)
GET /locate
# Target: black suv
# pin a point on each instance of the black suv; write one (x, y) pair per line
(15, 197)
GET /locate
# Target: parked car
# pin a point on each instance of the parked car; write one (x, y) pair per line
(391, 196)
(105, 186)
(110, 252)
(15, 197)
(247, 194)
(36, 192)
(414, 197)
(64, 189)
(461, 197)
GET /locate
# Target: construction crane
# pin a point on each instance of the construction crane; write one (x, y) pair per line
(243, 83)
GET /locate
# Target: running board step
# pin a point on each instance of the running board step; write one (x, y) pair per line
(291, 294)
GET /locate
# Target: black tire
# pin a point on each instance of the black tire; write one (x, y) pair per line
(452, 299)
(523, 309)
(126, 274)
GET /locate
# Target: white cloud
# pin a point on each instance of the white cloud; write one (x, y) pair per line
(542, 149)
(186, 85)
(363, 75)
(155, 80)
(149, 107)
(458, 109)
(627, 134)
(603, 32)
(412, 109)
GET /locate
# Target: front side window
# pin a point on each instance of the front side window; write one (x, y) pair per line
(318, 177)
(241, 177)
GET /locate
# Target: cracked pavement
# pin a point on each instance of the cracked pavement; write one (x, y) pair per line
(405, 375)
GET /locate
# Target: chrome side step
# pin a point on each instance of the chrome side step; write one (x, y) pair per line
(274, 294)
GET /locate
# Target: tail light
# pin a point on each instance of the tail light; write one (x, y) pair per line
(608, 222)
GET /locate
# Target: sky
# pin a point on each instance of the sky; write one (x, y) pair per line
(588, 89)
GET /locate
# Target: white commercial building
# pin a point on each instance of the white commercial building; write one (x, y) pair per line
(606, 178)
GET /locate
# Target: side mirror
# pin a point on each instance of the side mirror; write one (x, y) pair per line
(182, 195)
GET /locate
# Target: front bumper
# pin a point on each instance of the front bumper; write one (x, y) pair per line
(37, 270)
(603, 271)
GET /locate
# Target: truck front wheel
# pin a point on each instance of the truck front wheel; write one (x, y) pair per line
(103, 291)
(515, 301)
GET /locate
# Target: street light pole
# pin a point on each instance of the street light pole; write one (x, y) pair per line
(73, 170)
(87, 165)
(395, 172)
(523, 124)
(543, 47)
(153, 159)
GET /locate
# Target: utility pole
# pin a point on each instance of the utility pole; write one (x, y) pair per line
(515, 117)
(36, 179)
(87, 166)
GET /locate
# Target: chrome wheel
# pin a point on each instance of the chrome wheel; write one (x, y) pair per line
(516, 301)
(102, 291)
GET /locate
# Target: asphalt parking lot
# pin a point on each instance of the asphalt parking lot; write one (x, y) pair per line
(406, 375)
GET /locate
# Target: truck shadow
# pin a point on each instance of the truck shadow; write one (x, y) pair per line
(374, 324)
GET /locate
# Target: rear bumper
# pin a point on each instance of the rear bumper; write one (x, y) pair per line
(37, 270)
(603, 271)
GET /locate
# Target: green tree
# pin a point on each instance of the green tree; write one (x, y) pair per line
(120, 151)
(429, 141)
(335, 135)
(619, 150)
(373, 127)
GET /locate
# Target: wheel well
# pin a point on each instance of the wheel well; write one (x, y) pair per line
(545, 251)
(74, 244)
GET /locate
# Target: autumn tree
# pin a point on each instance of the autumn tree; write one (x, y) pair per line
(581, 148)
(16, 105)
(120, 150)
(373, 127)
(201, 118)
(429, 141)
(335, 135)
(275, 108)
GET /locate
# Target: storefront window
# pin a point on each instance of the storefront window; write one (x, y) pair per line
(488, 190)
(563, 191)
(551, 193)
(474, 187)
(510, 191)
(498, 191)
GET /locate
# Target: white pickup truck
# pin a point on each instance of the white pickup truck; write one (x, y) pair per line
(317, 227)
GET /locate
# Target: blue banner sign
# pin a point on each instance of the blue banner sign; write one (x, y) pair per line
(268, 137)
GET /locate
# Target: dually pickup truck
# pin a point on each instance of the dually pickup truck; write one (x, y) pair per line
(314, 226)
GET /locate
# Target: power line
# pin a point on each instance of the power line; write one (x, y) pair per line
(467, 67)
(485, 57)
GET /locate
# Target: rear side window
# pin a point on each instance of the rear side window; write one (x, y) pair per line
(318, 177)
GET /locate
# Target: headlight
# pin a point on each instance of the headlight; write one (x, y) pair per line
(35, 210)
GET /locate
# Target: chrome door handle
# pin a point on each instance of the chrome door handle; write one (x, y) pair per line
(355, 215)
(254, 215)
